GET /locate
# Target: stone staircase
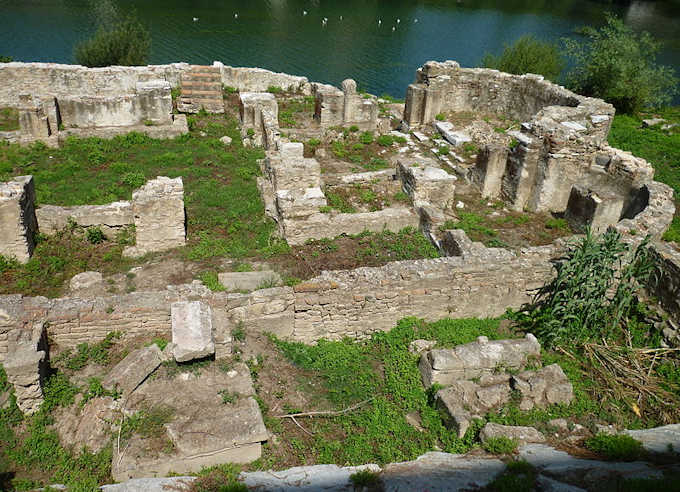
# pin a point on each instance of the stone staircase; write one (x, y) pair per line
(201, 88)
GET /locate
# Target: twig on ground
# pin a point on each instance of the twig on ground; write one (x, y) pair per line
(329, 413)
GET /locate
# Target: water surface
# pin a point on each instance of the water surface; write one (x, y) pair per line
(274, 34)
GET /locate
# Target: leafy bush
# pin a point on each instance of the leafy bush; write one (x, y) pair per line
(95, 235)
(500, 445)
(385, 140)
(365, 478)
(440, 117)
(528, 55)
(366, 138)
(6, 59)
(620, 447)
(126, 42)
(619, 65)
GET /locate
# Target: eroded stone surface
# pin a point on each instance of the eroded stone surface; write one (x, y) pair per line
(249, 280)
(441, 472)
(518, 433)
(17, 218)
(330, 478)
(86, 282)
(91, 427)
(24, 367)
(130, 372)
(664, 439)
(192, 334)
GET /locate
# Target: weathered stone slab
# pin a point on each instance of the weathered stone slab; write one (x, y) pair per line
(428, 185)
(330, 478)
(439, 472)
(249, 280)
(86, 282)
(251, 105)
(546, 386)
(92, 427)
(664, 439)
(191, 331)
(24, 367)
(130, 372)
(518, 433)
(150, 485)
(110, 217)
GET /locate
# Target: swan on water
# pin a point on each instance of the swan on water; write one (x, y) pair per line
(195, 19)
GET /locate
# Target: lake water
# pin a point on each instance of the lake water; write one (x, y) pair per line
(274, 34)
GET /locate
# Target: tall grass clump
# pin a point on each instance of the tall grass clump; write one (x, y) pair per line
(578, 304)
(528, 55)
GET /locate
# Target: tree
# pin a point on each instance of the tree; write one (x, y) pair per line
(5, 59)
(619, 65)
(528, 55)
(126, 42)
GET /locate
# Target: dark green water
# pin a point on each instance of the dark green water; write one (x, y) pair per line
(275, 34)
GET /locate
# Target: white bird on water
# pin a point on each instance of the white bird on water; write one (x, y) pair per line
(340, 17)
(394, 28)
(379, 22)
(398, 21)
(195, 19)
(304, 12)
(235, 16)
(415, 21)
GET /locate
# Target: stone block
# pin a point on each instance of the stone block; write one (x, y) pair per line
(453, 137)
(86, 281)
(17, 218)
(489, 169)
(91, 427)
(251, 105)
(300, 203)
(110, 217)
(25, 367)
(428, 185)
(192, 334)
(598, 210)
(520, 434)
(249, 280)
(546, 386)
(130, 372)
(659, 440)
(158, 209)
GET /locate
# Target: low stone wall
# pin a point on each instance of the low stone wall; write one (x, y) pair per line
(259, 79)
(110, 217)
(335, 107)
(665, 283)
(18, 224)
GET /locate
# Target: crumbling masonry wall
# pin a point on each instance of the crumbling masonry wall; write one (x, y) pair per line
(344, 107)
(17, 218)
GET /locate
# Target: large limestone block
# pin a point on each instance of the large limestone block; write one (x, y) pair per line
(329, 478)
(518, 433)
(471, 360)
(546, 386)
(599, 210)
(663, 440)
(150, 484)
(91, 427)
(24, 367)
(192, 333)
(251, 105)
(249, 280)
(428, 185)
(129, 373)
(17, 218)
(158, 209)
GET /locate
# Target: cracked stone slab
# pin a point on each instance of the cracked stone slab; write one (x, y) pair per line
(150, 485)
(564, 467)
(192, 333)
(329, 478)
(658, 440)
(436, 472)
(130, 372)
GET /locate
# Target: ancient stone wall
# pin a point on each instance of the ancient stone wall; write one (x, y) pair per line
(335, 107)
(110, 217)
(665, 283)
(18, 224)
(259, 79)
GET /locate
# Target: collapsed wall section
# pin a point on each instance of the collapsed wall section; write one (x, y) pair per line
(17, 218)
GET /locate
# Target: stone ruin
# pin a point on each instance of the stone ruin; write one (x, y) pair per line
(344, 107)
(558, 161)
(156, 210)
(480, 376)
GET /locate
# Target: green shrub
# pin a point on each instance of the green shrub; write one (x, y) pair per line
(366, 138)
(444, 150)
(354, 128)
(95, 235)
(619, 65)
(385, 140)
(135, 179)
(365, 478)
(6, 59)
(126, 42)
(211, 281)
(527, 55)
(620, 447)
(440, 117)
(557, 224)
(500, 445)
(274, 89)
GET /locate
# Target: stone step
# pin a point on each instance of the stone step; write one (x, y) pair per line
(216, 86)
(199, 93)
(202, 76)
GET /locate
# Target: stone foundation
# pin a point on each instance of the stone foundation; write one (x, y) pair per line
(345, 107)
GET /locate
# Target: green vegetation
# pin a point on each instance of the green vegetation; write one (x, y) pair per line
(224, 210)
(383, 376)
(125, 42)
(660, 147)
(440, 117)
(619, 65)
(528, 55)
(6, 59)
(34, 445)
(575, 306)
(559, 224)
(290, 109)
(618, 447)
(407, 244)
(220, 478)
(366, 479)
(211, 281)
(85, 353)
(500, 445)
(9, 120)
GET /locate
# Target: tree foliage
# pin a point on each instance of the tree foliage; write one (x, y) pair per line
(126, 42)
(528, 55)
(619, 65)
(6, 59)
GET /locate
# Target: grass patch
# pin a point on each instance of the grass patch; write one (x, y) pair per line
(617, 447)
(86, 353)
(384, 374)
(500, 445)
